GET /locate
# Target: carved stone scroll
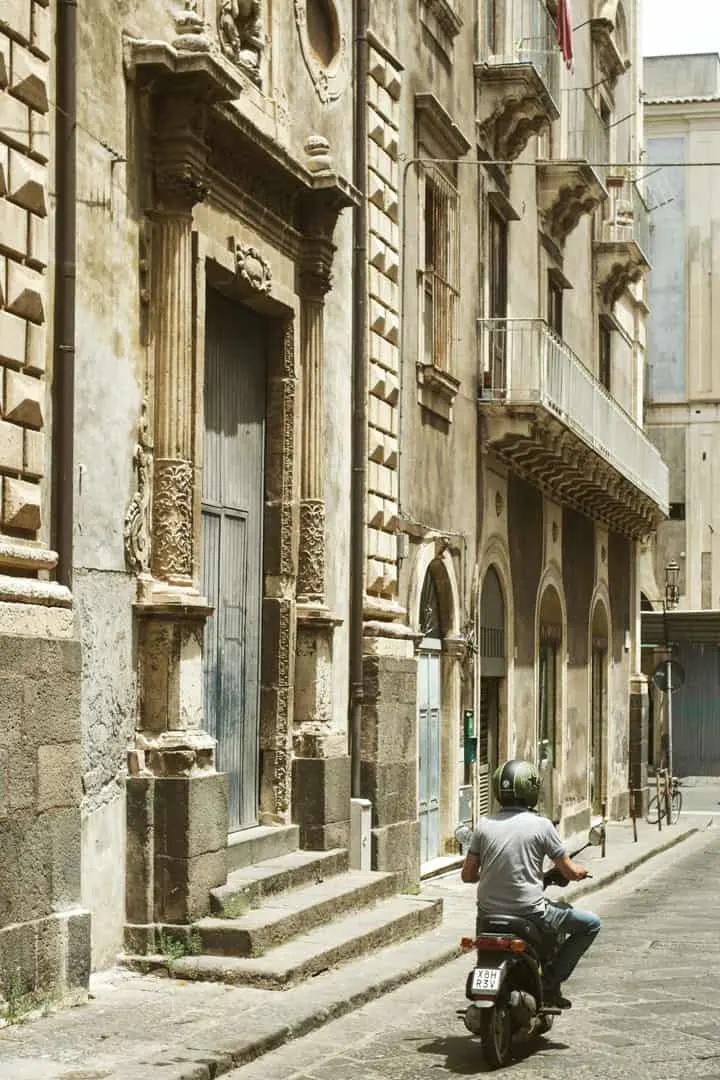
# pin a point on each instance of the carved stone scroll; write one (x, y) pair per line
(137, 519)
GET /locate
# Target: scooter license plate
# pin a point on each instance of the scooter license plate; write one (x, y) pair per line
(485, 979)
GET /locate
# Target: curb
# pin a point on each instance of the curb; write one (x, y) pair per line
(204, 1063)
(207, 1063)
(596, 883)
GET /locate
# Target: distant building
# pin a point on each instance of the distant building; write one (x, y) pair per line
(682, 123)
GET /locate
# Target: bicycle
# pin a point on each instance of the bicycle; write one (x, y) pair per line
(670, 800)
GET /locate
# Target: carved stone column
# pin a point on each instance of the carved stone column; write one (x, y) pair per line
(321, 766)
(315, 282)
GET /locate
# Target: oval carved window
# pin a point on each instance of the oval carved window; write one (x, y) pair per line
(324, 46)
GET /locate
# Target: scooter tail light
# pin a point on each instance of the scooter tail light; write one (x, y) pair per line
(467, 943)
(499, 944)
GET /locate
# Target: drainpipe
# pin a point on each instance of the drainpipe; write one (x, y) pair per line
(64, 313)
(359, 396)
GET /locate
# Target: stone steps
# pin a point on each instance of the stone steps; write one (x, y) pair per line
(249, 885)
(292, 913)
(250, 846)
(395, 919)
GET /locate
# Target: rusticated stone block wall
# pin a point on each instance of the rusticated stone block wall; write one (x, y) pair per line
(25, 47)
(44, 934)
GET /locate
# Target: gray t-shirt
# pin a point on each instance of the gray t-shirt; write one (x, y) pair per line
(511, 847)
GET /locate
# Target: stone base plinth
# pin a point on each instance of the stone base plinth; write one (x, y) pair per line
(321, 801)
(177, 831)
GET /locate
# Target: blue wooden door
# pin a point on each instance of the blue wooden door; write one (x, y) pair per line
(429, 749)
(232, 515)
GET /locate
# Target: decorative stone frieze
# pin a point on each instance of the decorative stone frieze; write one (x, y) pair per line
(311, 565)
(172, 520)
(240, 30)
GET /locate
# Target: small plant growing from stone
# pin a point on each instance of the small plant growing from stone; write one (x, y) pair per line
(18, 1000)
(172, 948)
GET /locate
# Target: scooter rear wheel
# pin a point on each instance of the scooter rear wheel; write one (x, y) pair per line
(496, 1035)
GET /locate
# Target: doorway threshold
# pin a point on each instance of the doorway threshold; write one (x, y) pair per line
(443, 864)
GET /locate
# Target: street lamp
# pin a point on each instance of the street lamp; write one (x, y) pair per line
(672, 587)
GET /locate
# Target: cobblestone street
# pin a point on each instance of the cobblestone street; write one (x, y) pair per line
(646, 999)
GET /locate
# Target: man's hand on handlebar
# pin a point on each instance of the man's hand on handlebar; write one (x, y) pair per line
(571, 871)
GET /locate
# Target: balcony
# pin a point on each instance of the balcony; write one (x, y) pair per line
(553, 423)
(573, 186)
(620, 253)
(518, 84)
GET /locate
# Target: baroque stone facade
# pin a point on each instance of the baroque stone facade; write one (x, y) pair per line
(217, 445)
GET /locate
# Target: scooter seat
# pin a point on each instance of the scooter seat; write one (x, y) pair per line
(516, 925)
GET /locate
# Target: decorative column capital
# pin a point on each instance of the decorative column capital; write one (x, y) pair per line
(181, 82)
(315, 268)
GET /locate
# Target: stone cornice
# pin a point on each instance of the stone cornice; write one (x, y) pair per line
(439, 124)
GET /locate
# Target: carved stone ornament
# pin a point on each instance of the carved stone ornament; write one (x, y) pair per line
(136, 531)
(311, 568)
(240, 30)
(253, 268)
(328, 73)
(172, 518)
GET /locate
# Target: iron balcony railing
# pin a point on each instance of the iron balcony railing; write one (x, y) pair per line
(588, 137)
(522, 32)
(524, 363)
(627, 217)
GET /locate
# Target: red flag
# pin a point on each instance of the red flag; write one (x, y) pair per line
(564, 31)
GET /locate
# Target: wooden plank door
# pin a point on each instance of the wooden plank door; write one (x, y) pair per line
(232, 517)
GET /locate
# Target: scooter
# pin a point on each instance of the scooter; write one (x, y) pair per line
(505, 986)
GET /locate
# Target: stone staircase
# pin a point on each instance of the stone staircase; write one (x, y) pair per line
(286, 915)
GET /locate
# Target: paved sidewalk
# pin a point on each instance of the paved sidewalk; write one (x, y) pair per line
(137, 1027)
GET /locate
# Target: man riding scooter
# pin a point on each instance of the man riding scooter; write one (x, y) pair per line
(506, 857)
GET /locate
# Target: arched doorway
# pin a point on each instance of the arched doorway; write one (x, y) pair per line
(598, 709)
(549, 697)
(492, 677)
(429, 699)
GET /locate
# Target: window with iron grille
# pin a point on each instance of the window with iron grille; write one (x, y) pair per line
(441, 270)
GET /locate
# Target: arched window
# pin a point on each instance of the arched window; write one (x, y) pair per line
(430, 620)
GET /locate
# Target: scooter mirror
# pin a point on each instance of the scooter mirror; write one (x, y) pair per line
(596, 834)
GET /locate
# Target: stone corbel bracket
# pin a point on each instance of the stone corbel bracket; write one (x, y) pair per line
(566, 191)
(617, 266)
(513, 104)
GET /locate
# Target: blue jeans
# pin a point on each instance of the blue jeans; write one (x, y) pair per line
(580, 929)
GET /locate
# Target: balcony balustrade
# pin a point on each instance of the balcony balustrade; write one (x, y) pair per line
(552, 422)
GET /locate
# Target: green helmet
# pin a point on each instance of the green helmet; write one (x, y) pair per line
(517, 783)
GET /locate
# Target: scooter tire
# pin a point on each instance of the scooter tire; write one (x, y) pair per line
(496, 1035)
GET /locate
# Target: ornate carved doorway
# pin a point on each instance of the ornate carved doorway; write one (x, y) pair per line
(232, 517)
